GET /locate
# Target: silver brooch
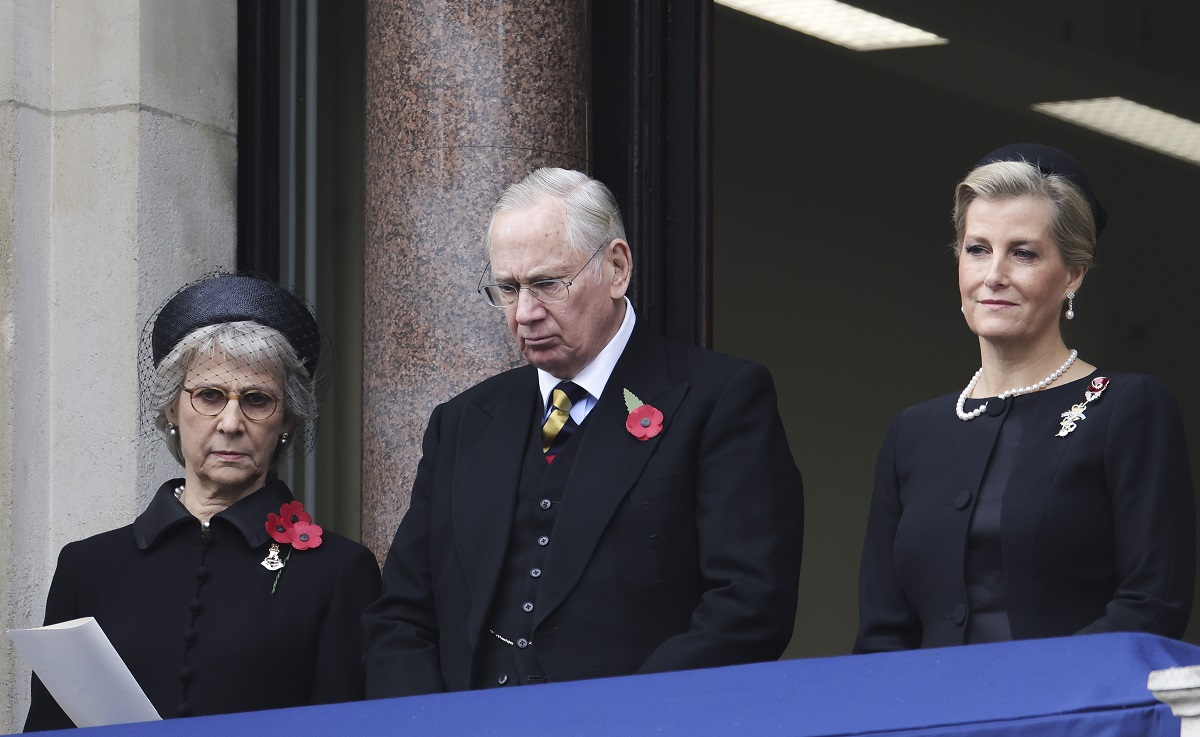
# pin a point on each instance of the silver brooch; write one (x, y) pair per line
(272, 562)
(1074, 415)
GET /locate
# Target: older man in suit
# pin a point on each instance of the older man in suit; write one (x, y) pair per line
(621, 505)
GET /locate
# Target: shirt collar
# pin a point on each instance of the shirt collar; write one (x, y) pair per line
(595, 375)
(248, 516)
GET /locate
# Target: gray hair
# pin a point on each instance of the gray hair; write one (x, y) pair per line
(243, 342)
(1073, 224)
(593, 217)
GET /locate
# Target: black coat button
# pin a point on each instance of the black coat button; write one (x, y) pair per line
(196, 606)
(963, 500)
(502, 680)
(527, 606)
(543, 540)
(183, 710)
(544, 504)
(185, 673)
(189, 635)
(960, 614)
(202, 573)
(996, 407)
(535, 572)
(522, 643)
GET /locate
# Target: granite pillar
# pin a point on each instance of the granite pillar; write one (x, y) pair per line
(462, 98)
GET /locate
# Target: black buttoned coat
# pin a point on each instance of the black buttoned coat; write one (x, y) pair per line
(193, 616)
(681, 551)
(1097, 527)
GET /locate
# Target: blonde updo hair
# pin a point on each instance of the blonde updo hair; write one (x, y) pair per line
(1073, 223)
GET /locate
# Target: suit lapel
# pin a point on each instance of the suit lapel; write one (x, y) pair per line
(608, 461)
(490, 452)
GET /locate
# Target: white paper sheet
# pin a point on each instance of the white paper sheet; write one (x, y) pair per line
(85, 674)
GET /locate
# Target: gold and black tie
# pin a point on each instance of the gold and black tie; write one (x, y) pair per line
(559, 425)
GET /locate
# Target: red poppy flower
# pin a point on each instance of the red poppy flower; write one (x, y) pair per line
(292, 526)
(277, 528)
(290, 513)
(293, 512)
(644, 422)
(304, 535)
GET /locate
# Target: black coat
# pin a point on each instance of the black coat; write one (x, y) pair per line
(682, 551)
(1097, 528)
(245, 649)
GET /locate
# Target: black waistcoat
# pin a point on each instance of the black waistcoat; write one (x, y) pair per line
(508, 654)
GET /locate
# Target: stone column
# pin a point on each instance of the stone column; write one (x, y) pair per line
(463, 97)
(117, 185)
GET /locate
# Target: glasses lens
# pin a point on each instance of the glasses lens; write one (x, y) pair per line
(500, 295)
(551, 290)
(208, 400)
(257, 405)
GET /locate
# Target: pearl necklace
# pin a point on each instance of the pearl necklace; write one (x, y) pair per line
(964, 416)
(179, 495)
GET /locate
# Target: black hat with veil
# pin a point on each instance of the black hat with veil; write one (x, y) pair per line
(232, 321)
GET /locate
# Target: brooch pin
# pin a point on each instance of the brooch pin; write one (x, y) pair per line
(644, 421)
(1075, 414)
(272, 561)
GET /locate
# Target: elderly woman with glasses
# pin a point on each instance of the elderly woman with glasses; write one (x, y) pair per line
(224, 595)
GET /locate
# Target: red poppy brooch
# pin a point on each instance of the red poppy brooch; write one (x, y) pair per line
(1074, 415)
(644, 421)
(294, 527)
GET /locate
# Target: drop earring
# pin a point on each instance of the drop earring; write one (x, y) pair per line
(171, 430)
(1070, 305)
(283, 439)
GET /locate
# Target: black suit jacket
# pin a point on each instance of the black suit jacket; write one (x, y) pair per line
(682, 551)
(1097, 527)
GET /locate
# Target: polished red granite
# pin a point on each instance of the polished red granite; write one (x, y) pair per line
(462, 98)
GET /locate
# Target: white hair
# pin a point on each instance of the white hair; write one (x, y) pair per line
(593, 217)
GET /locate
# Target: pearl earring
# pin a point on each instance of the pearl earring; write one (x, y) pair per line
(283, 439)
(1070, 305)
(171, 430)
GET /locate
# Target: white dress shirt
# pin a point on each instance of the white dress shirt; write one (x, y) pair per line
(595, 375)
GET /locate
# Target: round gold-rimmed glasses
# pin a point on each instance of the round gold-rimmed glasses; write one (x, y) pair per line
(255, 404)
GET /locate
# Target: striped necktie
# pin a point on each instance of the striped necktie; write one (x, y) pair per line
(559, 425)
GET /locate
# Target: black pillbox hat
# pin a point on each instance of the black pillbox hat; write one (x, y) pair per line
(229, 298)
(1050, 160)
